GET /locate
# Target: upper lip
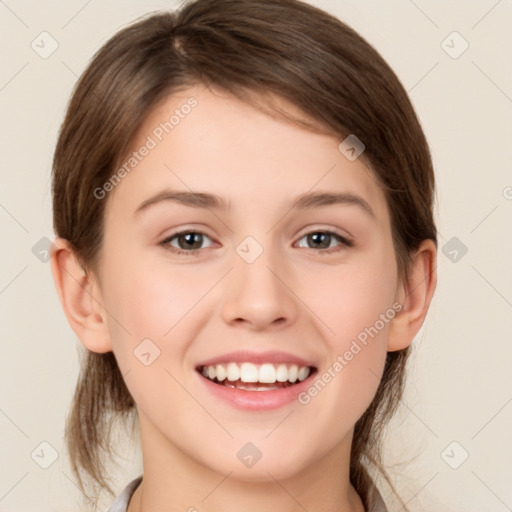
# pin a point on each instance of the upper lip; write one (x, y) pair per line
(247, 356)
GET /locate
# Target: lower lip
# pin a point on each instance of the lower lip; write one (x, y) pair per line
(256, 400)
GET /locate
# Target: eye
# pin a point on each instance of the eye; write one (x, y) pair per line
(322, 240)
(188, 241)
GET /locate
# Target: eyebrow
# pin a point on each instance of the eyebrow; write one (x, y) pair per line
(214, 202)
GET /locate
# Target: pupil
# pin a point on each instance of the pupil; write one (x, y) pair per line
(190, 238)
(318, 237)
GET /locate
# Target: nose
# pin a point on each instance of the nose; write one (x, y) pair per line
(259, 295)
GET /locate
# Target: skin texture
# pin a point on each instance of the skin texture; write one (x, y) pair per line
(293, 297)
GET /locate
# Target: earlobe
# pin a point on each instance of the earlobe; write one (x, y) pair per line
(415, 297)
(80, 298)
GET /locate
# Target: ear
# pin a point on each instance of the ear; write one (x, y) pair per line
(80, 297)
(415, 297)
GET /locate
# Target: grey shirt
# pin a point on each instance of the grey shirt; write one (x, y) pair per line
(121, 502)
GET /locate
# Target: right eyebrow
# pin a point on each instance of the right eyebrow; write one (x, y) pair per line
(194, 199)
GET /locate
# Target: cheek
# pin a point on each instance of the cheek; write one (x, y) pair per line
(354, 305)
(352, 299)
(150, 297)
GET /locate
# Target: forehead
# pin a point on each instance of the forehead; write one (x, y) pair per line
(203, 140)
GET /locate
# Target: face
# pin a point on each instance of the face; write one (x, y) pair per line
(250, 281)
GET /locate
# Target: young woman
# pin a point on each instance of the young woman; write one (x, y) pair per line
(246, 249)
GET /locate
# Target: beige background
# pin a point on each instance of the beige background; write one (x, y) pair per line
(460, 386)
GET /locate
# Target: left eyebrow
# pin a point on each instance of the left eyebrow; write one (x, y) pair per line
(318, 199)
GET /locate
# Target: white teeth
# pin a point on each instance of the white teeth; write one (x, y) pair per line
(303, 373)
(248, 372)
(282, 373)
(266, 373)
(233, 372)
(293, 371)
(221, 372)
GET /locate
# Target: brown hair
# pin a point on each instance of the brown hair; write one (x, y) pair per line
(251, 49)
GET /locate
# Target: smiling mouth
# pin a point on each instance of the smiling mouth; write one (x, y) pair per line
(256, 377)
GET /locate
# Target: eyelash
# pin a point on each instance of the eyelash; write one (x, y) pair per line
(195, 252)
